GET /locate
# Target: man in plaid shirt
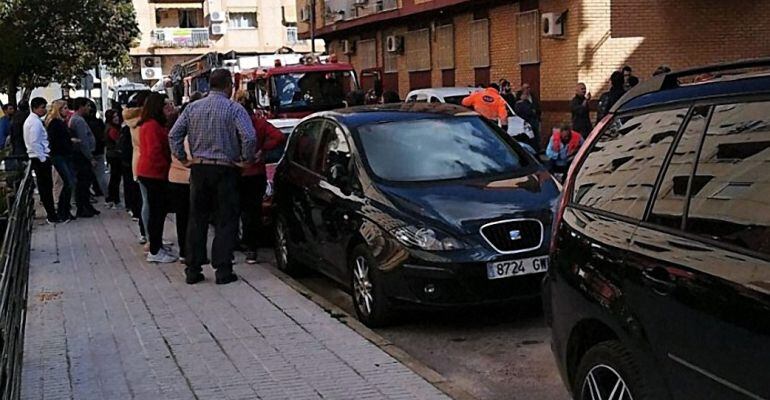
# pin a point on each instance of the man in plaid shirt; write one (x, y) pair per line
(222, 141)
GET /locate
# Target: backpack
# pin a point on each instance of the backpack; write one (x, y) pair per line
(124, 145)
(604, 106)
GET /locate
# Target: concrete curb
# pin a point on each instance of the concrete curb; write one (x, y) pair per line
(426, 372)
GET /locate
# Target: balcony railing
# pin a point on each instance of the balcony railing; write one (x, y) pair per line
(343, 10)
(180, 37)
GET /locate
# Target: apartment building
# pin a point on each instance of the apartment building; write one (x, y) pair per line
(175, 31)
(550, 44)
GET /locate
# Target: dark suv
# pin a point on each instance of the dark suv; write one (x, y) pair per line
(659, 285)
(414, 204)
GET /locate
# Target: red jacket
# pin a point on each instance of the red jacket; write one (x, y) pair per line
(155, 153)
(268, 138)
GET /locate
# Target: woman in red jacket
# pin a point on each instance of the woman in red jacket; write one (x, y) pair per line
(152, 171)
(253, 183)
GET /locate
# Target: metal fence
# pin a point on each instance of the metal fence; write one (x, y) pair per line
(14, 264)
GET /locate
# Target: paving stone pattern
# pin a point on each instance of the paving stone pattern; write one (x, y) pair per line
(104, 324)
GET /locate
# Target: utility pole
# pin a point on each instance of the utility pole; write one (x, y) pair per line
(312, 26)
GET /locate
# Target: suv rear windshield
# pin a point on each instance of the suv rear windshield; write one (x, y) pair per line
(437, 149)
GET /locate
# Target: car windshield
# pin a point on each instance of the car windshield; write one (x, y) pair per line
(312, 91)
(457, 100)
(436, 149)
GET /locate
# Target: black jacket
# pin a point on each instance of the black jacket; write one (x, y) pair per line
(59, 138)
(581, 121)
(97, 128)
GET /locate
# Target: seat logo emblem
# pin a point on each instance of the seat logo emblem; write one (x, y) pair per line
(514, 235)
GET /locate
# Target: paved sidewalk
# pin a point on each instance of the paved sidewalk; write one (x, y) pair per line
(103, 324)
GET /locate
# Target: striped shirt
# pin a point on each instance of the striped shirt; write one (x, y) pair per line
(217, 128)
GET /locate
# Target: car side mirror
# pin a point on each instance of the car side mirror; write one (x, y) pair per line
(339, 177)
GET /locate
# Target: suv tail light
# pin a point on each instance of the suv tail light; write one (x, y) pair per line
(569, 182)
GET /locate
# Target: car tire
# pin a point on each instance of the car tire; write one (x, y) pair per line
(369, 300)
(609, 366)
(283, 258)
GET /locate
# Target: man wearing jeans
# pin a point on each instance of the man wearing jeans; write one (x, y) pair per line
(222, 140)
(36, 140)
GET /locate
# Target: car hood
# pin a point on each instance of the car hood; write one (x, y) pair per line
(462, 208)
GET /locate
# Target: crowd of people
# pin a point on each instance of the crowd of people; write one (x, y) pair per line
(203, 164)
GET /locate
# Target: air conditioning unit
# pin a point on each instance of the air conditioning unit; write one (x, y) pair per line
(348, 46)
(218, 29)
(151, 68)
(552, 24)
(217, 16)
(305, 14)
(394, 43)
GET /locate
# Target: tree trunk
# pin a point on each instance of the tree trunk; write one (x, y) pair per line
(13, 84)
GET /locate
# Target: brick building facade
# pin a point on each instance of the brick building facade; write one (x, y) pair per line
(467, 42)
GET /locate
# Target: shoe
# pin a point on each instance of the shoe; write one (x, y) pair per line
(94, 210)
(224, 280)
(161, 258)
(191, 280)
(67, 217)
(168, 243)
(52, 220)
(251, 257)
(143, 240)
(181, 260)
(85, 214)
(93, 200)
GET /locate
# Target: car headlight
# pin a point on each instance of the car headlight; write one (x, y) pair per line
(426, 239)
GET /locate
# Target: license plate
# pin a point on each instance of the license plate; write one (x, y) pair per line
(506, 269)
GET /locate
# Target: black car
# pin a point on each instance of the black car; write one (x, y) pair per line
(659, 285)
(413, 204)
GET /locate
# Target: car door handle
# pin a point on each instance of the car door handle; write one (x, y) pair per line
(651, 247)
(659, 280)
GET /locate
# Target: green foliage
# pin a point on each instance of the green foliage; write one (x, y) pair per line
(57, 40)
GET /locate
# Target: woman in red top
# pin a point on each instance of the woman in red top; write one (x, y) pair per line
(253, 183)
(152, 172)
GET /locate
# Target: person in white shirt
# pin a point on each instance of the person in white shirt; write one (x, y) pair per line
(36, 140)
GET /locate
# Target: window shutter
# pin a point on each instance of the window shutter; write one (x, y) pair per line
(446, 47)
(418, 50)
(367, 50)
(479, 43)
(528, 29)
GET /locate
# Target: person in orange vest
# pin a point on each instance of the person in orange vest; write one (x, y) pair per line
(490, 104)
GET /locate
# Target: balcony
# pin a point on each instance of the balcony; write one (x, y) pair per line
(345, 10)
(180, 37)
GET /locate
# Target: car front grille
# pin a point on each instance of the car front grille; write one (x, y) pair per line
(502, 235)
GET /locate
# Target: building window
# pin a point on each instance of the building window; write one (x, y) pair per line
(367, 53)
(479, 43)
(189, 19)
(528, 30)
(446, 47)
(291, 35)
(418, 50)
(242, 20)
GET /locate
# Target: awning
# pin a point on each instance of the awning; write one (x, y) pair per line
(171, 6)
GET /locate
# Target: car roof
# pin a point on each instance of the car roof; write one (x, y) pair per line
(355, 117)
(445, 91)
(739, 78)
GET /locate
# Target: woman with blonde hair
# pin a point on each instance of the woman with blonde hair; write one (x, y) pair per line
(60, 141)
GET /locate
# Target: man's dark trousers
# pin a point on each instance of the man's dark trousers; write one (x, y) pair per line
(212, 187)
(83, 173)
(44, 185)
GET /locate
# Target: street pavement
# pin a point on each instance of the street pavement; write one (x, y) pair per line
(104, 324)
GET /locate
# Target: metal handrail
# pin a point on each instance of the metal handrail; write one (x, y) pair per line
(14, 274)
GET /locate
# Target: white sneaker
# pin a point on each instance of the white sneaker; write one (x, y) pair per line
(161, 258)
